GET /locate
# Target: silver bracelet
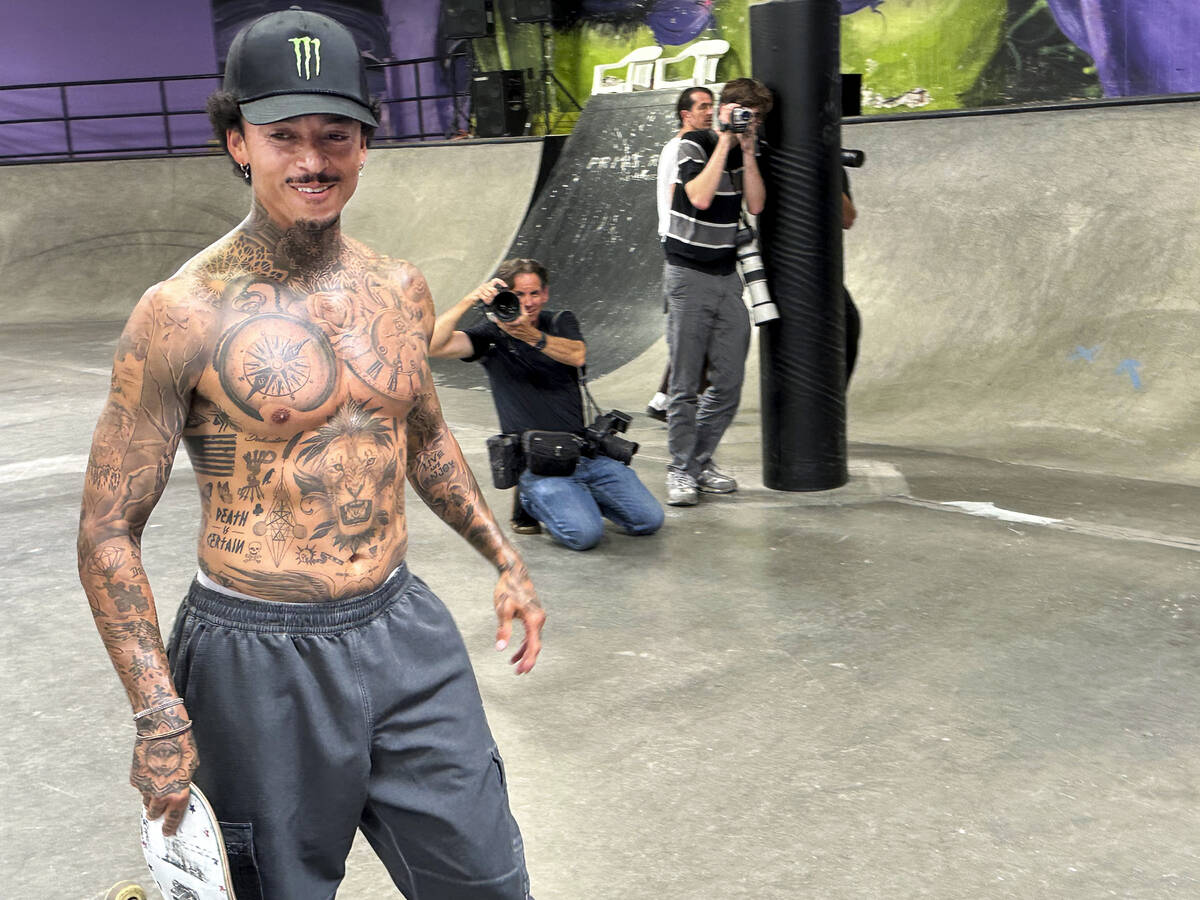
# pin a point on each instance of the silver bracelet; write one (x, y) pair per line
(157, 707)
(186, 726)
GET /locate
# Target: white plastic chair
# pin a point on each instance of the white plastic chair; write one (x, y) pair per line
(706, 55)
(640, 71)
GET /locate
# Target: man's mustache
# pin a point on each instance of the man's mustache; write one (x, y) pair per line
(317, 178)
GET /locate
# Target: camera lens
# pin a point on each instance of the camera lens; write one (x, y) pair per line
(618, 448)
(505, 306)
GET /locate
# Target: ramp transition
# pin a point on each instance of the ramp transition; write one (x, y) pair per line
(595, 226)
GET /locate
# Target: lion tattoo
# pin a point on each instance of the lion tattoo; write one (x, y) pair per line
(351, 476)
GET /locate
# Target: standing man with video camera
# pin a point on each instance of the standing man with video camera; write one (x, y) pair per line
(533, 363)
(706, 318)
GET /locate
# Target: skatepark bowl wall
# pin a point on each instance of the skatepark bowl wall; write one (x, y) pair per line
(82, 240)
(1027, 282)
(1029, 287)
(969, 673)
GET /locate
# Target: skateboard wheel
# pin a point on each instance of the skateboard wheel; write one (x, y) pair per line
(126, 890)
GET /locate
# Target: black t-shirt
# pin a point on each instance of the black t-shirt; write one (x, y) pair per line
(532, 392)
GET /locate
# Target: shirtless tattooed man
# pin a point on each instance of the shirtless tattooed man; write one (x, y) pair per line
(328, 688)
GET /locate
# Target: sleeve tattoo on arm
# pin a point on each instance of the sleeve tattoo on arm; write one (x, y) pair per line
(440, 476)
(156, 364)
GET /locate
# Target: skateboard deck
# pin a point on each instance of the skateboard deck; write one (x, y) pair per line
(190, 865)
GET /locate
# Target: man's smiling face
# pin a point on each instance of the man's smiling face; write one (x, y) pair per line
(303, 169)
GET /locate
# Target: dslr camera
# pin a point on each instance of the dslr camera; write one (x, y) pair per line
(505, 307)
(602, 437)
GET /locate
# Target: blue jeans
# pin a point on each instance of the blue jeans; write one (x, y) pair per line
(573, 507)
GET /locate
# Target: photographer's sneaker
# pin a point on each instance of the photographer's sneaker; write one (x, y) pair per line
(713, 481)
(657, 408)
(681, 489)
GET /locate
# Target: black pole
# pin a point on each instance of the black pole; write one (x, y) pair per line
(795, 48)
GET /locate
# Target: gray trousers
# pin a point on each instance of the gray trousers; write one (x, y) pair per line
(706, 320)
(315, 720)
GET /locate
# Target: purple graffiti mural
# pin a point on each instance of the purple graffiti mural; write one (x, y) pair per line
(1139, 46)
(676, 22)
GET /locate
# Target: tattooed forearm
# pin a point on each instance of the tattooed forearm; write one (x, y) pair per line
(157, 363)
(441, 478)
(137, 634)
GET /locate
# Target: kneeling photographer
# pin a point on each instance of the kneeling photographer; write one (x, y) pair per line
(572, 474)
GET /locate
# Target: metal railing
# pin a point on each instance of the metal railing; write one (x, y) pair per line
(164, 116)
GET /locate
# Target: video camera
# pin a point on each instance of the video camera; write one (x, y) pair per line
(739, 120)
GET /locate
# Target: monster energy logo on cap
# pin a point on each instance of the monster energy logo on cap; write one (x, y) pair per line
(297, 63)
(312, 47)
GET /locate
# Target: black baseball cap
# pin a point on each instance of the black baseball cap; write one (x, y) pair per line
(297, 63)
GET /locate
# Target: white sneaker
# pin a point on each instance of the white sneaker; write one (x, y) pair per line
(713, 481)
(681, 489)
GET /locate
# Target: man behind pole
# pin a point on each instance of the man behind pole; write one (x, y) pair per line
(706, 318)
(694, 109)
(313, 685)
(533, 365)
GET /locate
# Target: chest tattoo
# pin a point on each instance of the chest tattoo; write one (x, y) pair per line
(376, 334)
(276, 357)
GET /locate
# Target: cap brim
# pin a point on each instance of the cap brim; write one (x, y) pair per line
(287, 106)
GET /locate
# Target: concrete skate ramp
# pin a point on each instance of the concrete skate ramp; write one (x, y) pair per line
(595, 226)
(1027, 281)
(1030, 287)
(83, 240)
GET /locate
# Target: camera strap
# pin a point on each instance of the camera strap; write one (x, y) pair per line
(591, 407)
(744, 221)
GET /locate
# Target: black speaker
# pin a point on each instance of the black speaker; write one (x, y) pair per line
(498, 100)
(532, 10)
(467, 19)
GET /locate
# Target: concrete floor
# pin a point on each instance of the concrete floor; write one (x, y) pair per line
(860, 693)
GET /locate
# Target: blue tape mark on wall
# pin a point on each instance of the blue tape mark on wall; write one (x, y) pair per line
(1131, 366)
(1086, 353)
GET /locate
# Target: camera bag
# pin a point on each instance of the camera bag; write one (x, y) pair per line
(504, 457)
(550, 452)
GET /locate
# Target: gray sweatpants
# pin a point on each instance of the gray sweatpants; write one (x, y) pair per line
(314, 720)
(706, 320)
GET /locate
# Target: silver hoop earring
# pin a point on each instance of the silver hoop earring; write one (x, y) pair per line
(361, 166)
(246, 171)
